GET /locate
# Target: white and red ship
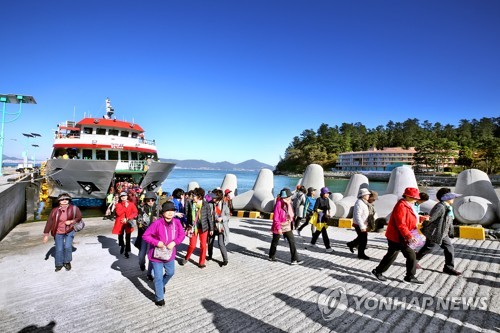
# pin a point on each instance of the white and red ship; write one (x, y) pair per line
(90, 155)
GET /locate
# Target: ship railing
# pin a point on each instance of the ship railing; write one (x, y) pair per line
(147, 142)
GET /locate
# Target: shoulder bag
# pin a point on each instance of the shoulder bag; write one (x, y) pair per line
(162, 253)
(78, 226)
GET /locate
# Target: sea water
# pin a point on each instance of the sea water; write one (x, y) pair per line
(211, 179)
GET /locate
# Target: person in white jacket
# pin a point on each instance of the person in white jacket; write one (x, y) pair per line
(361, 212)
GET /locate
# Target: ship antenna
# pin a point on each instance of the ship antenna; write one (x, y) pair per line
(74, 110)
(109, 109)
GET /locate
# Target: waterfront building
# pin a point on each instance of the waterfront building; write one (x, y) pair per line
(375, 160)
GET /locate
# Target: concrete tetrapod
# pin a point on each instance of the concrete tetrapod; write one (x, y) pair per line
(401, 178)
(479, 203)
(260, 197)
(230, 182)
(314, 176)
(344, 207)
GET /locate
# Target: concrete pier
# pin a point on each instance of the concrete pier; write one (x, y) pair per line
(105, 292)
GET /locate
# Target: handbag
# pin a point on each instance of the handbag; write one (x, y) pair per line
(163, 253)
(285, 227)
(79, 225)
(420, 239)
(189, 232)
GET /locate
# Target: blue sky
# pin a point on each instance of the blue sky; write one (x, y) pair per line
(236, 80)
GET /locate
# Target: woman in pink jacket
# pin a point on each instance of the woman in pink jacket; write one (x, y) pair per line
(282, 225)
(165, 233)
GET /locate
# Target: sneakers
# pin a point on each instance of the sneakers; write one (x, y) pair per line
(203, 266)
(312, 245)
(297, 262)
(58, 268)
(149, 277)
(412, 279)
(351, 248)
(451, 271)
(271, 259)
(67, 266)
(160, 303)
(224, 263)
(143, 267)
(329, 250)
(209, 258)
(363, 257)
(127, 255)
(379, 276)
(183, 262)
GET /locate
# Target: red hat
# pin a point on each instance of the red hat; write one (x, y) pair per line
(412, 192)
(226, 191)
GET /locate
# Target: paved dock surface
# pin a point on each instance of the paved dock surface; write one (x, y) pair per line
(105, 292)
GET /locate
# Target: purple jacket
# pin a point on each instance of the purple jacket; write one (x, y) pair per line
(156, 233)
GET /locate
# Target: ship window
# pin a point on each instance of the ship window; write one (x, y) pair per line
(113, 132)
(124, 155)
(87, 130)
(100, 131)
(133, 156)
(100, 155)
(112, 155)
(124, 134)
(87, 154)
(134, 135)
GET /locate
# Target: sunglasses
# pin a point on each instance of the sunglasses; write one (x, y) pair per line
(150, 200)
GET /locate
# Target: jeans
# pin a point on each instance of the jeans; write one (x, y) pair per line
(449, 252)
(324, 234)
(160, 279)
(222, 246)
(143, 251)
(392, 254)
(64, 248)
(291, 240)
(360, 241)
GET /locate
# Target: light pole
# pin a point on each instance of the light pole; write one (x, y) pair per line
(13, 99)
(34, 152)
(26, 151)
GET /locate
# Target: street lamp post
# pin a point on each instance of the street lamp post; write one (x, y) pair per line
(13, 99)
(26, 152)
(34, 152)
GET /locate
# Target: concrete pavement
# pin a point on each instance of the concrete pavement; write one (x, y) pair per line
(105, 292)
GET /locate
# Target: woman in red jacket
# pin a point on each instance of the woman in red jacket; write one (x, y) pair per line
(399, 236)
(60, 225)
(125, 211)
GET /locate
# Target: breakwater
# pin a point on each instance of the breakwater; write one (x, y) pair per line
(18, 200)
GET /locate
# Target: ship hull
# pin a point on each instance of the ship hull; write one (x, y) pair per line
(91, 179)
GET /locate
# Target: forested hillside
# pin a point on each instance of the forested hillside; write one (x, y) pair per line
(474, 143)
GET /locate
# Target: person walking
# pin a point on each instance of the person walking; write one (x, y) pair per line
(363, 211)
(178, 200)
(60, 225)
(125, 213)
(283, 218)
(308, 208)
(298, 202)
(402, 223)
(164, 233)
(148, 213)
(322, 207)
(221, 215)
(200, 224)
(436, 230)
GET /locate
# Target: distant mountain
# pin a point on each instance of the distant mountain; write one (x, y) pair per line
(202, 164)
(10, 159)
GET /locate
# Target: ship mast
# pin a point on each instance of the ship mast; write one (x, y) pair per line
(109, 109)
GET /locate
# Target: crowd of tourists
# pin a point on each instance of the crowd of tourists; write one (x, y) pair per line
(164, 221)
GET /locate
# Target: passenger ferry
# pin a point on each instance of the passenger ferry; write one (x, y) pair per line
(90, 155)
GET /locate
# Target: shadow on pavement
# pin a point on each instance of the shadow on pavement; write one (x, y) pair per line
(49, 328)
(129, 268)
(231, 320)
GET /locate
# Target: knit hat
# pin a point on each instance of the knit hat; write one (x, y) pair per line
(362, 192)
